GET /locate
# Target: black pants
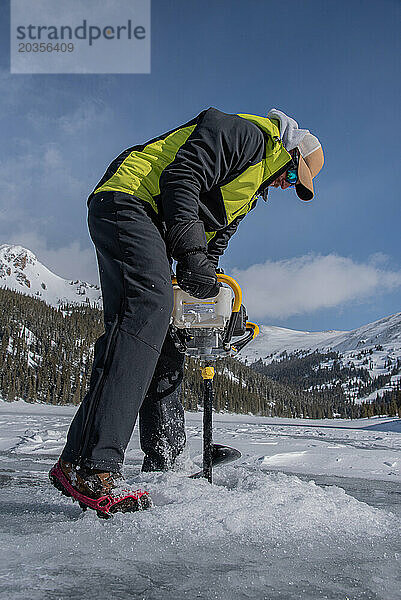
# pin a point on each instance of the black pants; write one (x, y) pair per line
(136, 366)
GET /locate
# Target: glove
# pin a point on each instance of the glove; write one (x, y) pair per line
(196, 275)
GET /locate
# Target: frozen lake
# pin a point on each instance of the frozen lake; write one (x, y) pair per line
(312, 510)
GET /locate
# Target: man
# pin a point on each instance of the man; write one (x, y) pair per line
(180, 196)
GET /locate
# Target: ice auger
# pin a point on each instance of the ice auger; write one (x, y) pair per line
(210, 329)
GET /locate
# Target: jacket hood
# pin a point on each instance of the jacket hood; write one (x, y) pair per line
(290, 134)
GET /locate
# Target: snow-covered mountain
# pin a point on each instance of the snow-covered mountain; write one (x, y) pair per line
(375, 347)
(21, 271)
(272, 340)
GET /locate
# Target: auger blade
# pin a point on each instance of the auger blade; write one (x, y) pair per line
(220, 455)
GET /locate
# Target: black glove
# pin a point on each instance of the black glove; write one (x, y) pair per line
(196, 275)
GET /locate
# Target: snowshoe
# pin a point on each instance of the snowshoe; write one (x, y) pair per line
(100, 491)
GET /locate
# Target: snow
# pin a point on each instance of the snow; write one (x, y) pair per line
(310, 511)
(375, 347)
(21, 271)
(272, 340)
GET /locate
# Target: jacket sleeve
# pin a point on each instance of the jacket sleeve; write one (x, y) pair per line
(218, 244)
(220, 148)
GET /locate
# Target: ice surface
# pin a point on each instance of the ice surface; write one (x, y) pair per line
(256, 533)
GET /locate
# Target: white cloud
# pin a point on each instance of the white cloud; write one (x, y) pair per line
(43, 182)
(87, 116)
(52, 158)
(308, 283)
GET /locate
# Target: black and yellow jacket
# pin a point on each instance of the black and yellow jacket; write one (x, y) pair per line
(212, 169)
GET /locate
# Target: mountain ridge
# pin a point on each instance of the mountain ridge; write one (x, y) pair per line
(272, 339)
(21, 271)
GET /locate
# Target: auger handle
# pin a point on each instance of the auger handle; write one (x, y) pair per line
(252, 330)
(234, 285)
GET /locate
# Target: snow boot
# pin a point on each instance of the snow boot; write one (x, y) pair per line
(101, 491)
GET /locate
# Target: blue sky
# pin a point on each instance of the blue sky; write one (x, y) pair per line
(334, 66)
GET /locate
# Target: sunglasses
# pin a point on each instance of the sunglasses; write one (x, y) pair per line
(292, 173)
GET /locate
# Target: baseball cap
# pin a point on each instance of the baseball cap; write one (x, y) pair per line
(311, 161)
